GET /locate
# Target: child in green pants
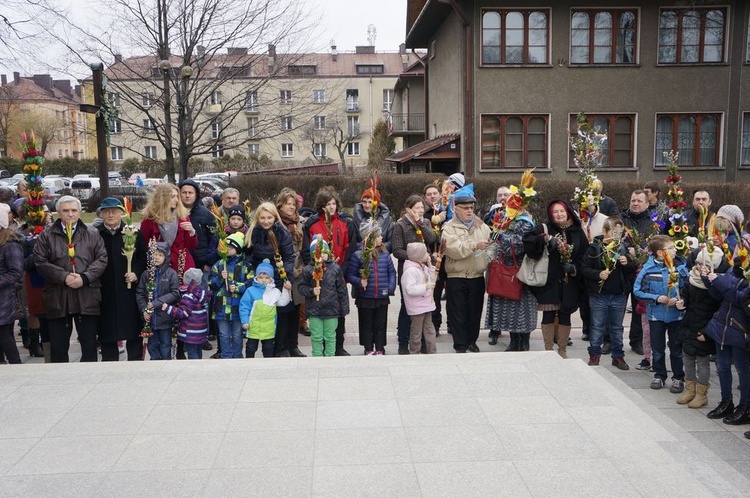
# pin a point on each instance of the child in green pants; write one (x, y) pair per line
(326, 300)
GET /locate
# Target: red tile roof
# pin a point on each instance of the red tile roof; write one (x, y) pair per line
(434, 148)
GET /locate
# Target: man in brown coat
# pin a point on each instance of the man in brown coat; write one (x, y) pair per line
(71, 272)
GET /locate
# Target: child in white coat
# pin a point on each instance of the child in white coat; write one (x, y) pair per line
(418, 282)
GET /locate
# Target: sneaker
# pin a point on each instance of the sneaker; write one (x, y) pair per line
(620, 363)
(379, 353)
(120, 347)
(643, 365)
(677, 386)
(593, 360)
(657, 383)
(369, 353)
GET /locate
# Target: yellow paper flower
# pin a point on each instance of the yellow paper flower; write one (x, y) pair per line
(513, 189)
(529, 192)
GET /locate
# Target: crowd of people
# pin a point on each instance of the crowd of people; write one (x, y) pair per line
(261, 278)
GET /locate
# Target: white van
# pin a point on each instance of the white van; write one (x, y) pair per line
(84, 188)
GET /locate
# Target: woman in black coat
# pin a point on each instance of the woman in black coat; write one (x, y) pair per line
(558, 298)
(120, 317)
(259, 246)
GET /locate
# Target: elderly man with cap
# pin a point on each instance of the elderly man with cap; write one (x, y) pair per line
(368, 207)
(465, 237)
(71, 258)
(120, 319)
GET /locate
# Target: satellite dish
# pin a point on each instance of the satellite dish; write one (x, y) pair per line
(372, 34)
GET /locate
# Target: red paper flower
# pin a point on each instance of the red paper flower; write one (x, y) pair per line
(514, 201)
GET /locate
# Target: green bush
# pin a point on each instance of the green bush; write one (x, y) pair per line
(13, 166)
(396, 188)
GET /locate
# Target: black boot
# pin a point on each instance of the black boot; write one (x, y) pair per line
(296, 353)
(35, 349)
(747, 435)
(740, 416)
(494, 334)
(524, 340)
(725, 408)
(515, 343)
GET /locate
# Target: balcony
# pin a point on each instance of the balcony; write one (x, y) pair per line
(252, 109)
(405, 124)
(213, 109)
(352, 105)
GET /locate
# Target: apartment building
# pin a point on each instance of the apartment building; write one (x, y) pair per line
(49, 108)
(291, 109)
(503, 82)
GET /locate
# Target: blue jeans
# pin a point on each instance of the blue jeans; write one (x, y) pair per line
(725, 357)
(659, 333)
(230, 338)
(194, 351)
(160, 345)
(607, 313)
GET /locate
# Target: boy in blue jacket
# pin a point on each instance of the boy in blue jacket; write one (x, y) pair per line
(258, 310)
(664, 308)
(228, 284)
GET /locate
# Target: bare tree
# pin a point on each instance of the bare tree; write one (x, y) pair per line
(47, 127)
(338, 130)
(229, 48)
(9, 107)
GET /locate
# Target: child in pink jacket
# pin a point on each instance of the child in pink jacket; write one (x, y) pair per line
(418, 282)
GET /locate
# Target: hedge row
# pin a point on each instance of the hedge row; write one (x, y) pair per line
(396, 188)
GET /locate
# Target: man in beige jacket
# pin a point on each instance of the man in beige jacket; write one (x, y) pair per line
(465, 237)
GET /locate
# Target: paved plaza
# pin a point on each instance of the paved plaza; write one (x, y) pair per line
(486, 424)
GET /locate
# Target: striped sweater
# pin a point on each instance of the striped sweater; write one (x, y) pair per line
(192, 314)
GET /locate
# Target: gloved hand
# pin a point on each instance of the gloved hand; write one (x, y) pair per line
(569, 268)
(552, 243)
(737, 269)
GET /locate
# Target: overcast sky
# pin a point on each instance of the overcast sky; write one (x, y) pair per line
(343, 21)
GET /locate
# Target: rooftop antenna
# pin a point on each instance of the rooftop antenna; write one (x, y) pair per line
(372, 34)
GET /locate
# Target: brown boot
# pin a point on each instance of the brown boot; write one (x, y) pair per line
(701, 396)
(548, 335)
(689, 393)
(563, 333)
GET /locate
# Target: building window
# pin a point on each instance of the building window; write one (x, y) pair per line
(286, 123)
(285, 96)
(114, 99)
(352, 148)
(319, 96)
(150, 151)
(217, 150)
(694, 136)
(352, 100)
(252, 127)
(369, 69)
(515, 37)
(304, 70)
(514, 141)
(251, 101)
(215, 97)
(115, 153)
(147, 99)
(603, 36)
(745, 158)
(618, 150)
(692, 36)
(287, 150)
(319, 123)
(253, 149)
(115, 126)
(148, 126)
(216, 130)
(352, 126)
(387, 99)
(319, 150)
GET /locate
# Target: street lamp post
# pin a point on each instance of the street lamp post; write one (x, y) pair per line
(166, 69)
(185, 73)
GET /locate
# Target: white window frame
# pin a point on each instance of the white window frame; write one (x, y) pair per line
(148, 126)
(319, 149)
(319, 96)
(116, 126)
(286, 123)
(148, 99)
(251, 101)
(352, 126)
(216, 130)
(319, 123)
(115, 153)
(215, 97)
(352, 149)
(150, 152)
(253, 149)
(387, 99)
(287, 150)
(252, 127)
(217, 150)
(114, 99)
(285, 96)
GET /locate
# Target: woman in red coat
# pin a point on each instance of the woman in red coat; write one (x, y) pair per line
(167, 220)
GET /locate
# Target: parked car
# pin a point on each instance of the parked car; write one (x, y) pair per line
(153, 182)
(52, 194)
(4, 173)
(54, 180)
(18, 176)
(208, 185)
(84, 188)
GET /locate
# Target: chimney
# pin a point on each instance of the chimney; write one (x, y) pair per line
(365, 49)
(63, 86)
(118, 58)
(271, 56)
(43, 80)
(79, 91)
(236, 51)
(334, 53)
(3, 79)
(16, 77)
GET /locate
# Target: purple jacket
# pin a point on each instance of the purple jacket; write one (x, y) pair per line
(192, 314)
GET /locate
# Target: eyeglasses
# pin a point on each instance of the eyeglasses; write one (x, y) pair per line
(466, 207)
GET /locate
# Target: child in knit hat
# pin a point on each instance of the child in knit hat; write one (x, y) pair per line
(236, 220)
(258, 310)
(191, 314)
(165, 291)
(326, 300)
(228, 283)
(418, 283)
